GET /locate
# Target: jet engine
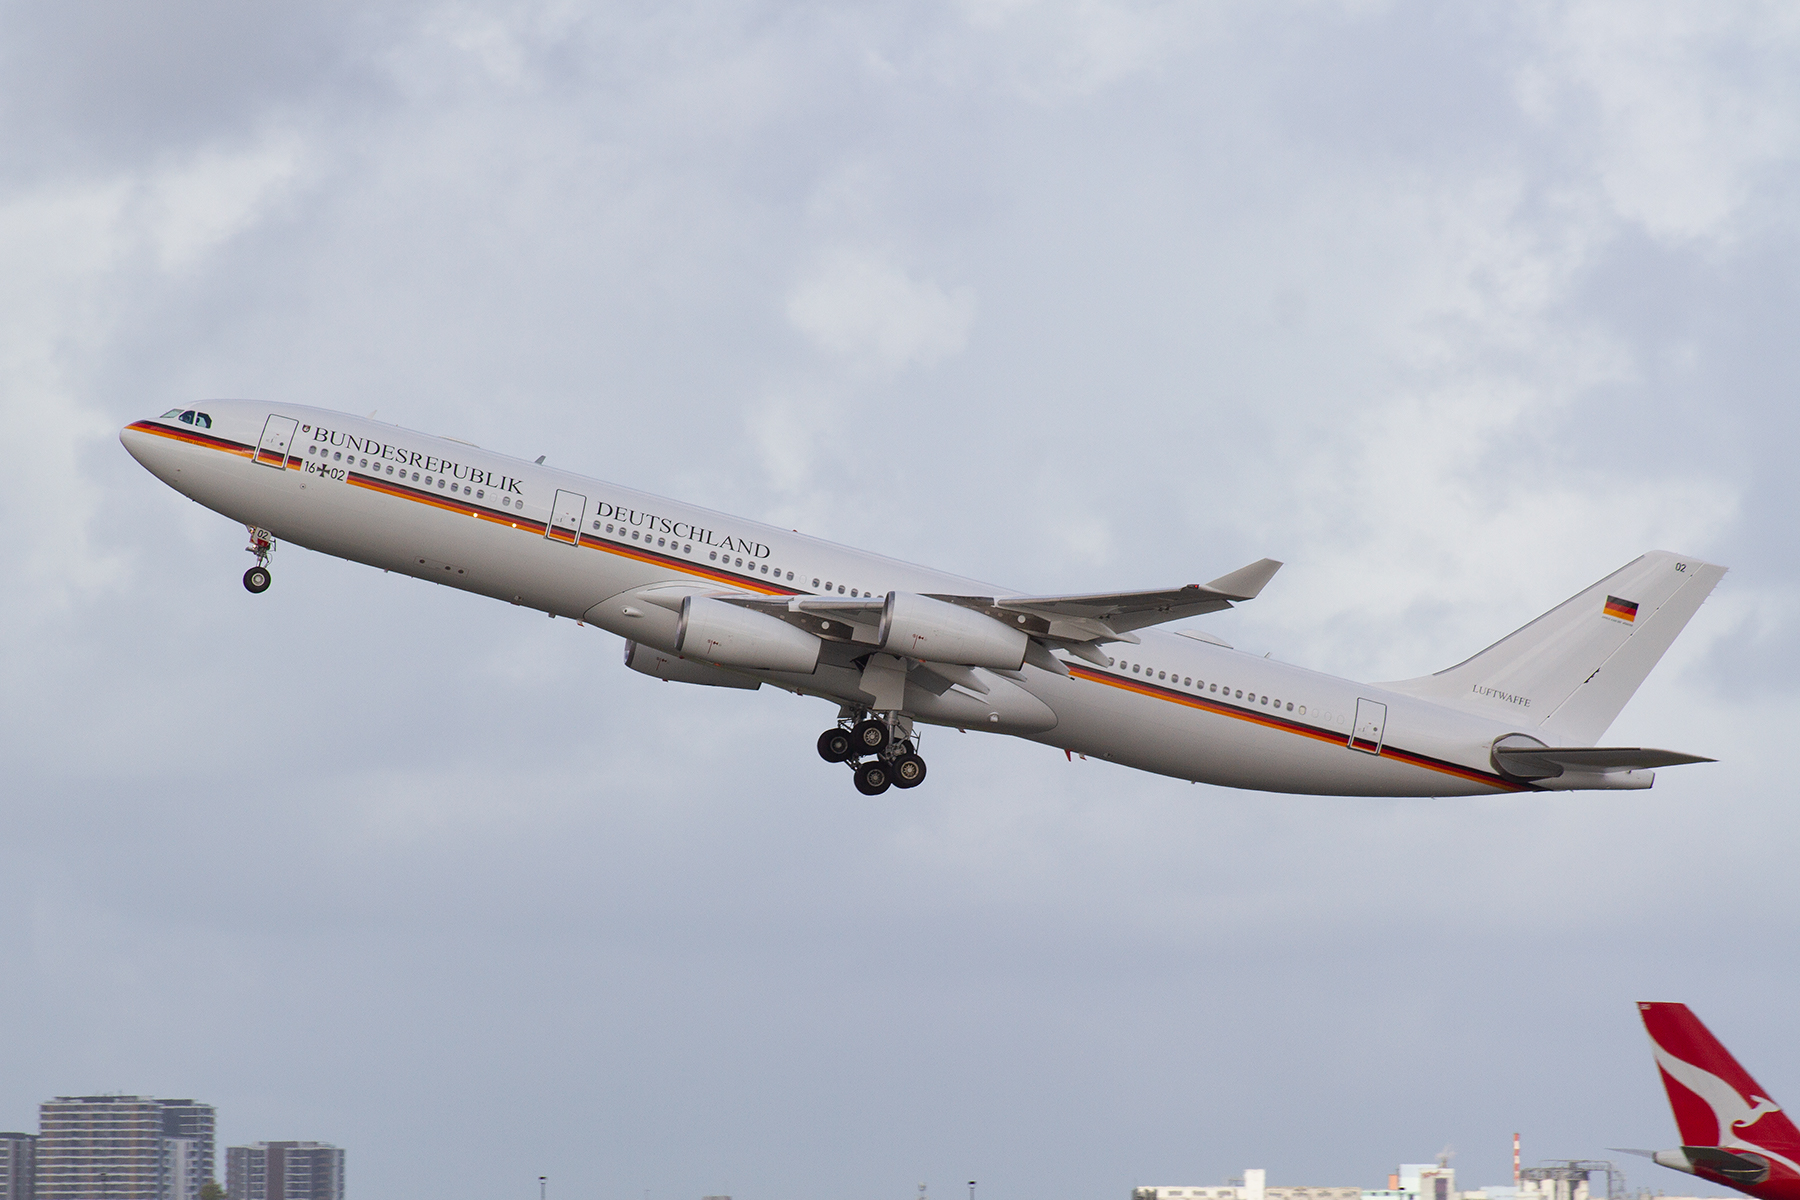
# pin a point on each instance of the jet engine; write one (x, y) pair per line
(716, 632)
(921, 627)
(672, 668)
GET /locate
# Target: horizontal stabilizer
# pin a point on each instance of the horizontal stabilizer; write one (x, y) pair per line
(1549, 762)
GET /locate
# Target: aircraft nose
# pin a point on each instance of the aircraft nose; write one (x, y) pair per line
(151, 451)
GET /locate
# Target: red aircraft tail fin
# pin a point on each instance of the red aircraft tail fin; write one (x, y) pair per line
(1716, 1102)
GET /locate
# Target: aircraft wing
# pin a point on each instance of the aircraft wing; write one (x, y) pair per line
(1075, 623)
(1102, 616)
(1548, 762)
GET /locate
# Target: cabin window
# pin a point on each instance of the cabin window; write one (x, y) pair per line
(440, 484)
(390, 470)
(1161, 675)
(790, 575)
(660, 541)
(815, 581)
(689, 549)
(312, 449)
(1187, 683)
(1212, 687)
(481, 494)
(840, 589)
(427, 480)
(1265, 701)
(337, 456)
(1240, 694)
(712, 554)
(596, 527)
(827, 584)
(634, 535)
(1136, 667)
(1303, 710)
(1290, 706)
(415, 477)
(765, 568)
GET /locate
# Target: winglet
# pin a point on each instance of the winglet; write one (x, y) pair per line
(1245, 582)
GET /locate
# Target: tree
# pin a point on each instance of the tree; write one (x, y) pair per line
(210, 1190)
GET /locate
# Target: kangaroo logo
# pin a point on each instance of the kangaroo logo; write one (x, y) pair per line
(1732, 1111)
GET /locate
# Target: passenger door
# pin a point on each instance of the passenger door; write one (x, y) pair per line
(565, 517)
(277, 438)
(1371, 726)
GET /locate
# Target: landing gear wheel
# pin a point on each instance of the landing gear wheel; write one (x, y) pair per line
(871, 737)
(872, 778)
(909, 771)
(257, 580)
(835, 745)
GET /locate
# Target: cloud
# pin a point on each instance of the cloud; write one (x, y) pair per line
(1452, 310)
(1690, 106)
(863, 308)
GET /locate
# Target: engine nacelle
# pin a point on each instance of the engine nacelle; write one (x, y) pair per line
(716, 632)
(672, 668)
(921, 627)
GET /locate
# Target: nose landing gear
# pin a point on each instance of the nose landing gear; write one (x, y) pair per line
(262, 544)
(878, 748)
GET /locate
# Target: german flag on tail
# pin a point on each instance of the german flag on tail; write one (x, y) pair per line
(1620, 610)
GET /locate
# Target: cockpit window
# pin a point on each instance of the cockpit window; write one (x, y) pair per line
(187, 418)
(202, 421)
(173, 412)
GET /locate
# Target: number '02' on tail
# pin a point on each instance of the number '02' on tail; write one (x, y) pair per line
(1568, 673)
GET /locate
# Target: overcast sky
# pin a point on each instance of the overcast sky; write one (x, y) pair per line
(1453, 308)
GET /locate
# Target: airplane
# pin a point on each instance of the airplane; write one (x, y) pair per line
(1732, 1133)
(702, 597)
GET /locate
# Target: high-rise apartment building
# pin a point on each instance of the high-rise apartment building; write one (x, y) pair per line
(284, 1171)
(123, 1148)
(18, 1166)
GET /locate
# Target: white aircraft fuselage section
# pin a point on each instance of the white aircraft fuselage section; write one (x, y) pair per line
(624, 561)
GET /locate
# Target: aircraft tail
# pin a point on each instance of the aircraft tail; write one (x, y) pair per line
(1570, 672)
(1731, 1131)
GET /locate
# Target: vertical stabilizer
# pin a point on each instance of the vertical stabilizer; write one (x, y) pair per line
(1714, 1098)
(1570, 672)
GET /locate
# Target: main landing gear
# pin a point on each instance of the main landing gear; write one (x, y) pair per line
(262, 544)
(878, 749)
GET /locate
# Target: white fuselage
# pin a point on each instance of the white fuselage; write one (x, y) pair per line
(548, 539)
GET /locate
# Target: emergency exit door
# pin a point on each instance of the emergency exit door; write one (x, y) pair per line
(277, 439)
(565, 517)
(1371, 726)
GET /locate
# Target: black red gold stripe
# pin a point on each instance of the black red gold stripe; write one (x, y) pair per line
(193, 437)
(750, 583)
(1288, 725)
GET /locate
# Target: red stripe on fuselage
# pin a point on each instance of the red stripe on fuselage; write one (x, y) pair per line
(1288, 725)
